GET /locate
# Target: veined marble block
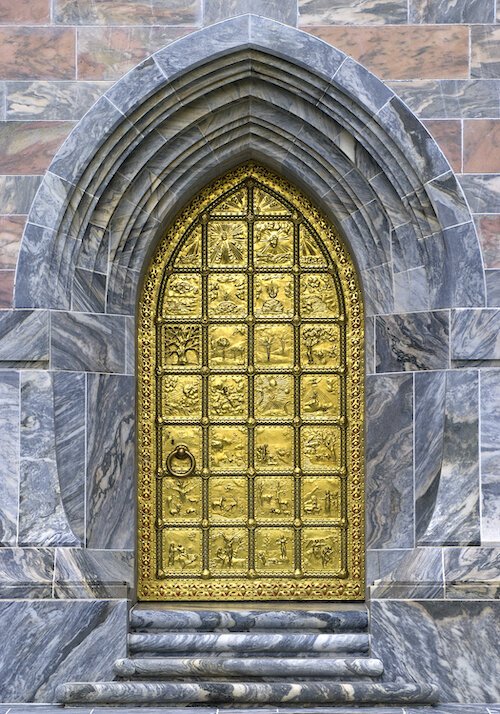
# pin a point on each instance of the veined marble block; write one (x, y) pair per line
(447, 458)
(45, 643)
(9, 443)
(448, 643)
(389, 461)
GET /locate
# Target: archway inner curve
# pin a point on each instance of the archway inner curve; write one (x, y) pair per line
(197, 108)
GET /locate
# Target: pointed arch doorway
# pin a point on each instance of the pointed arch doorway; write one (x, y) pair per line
(250, 402)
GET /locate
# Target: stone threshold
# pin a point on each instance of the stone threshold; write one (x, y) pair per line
(450, 708)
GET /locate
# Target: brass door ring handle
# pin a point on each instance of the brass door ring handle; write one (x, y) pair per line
(180, 452)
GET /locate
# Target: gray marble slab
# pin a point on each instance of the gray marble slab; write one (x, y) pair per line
(37, 429)
(352, 12)
(448, 643)
(492, 278)
(9, 449)
(31, 289)
(450, 98)
(490, 455)
(70, 445)
(84, 573)
(24, 335)
(412, 341)
(17, 193)
(280, 10)
(447, 458)
(110, 461)
(42, 518)
(411, 290)
(46, 643)
(44, 100)
(413, 574)
(472, 573)
(389, 461)
(87, 342)
(490, 421)
(443, 11)
(475, 334)
(482, 191)
(26, 573)
(454, 279)
(378, 286)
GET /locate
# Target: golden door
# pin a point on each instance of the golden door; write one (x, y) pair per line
(250, 402)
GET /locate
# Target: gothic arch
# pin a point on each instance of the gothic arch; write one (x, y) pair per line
(245, 88)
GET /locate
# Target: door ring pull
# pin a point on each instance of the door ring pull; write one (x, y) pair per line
(180, 452)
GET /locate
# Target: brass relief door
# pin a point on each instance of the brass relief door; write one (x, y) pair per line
(250, 394)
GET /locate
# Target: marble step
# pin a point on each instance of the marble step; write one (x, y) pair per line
(151, 693)
(247, 643)
(174, 667)
(142, 620)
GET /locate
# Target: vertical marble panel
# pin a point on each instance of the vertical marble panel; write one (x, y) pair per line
(83, 573)
(451, 644)
(37, 415)
(11, 231)
(46, 643)
(43, 520)
(389, 461)
(488, 230)
(130, 346)
(412, 341)
(110, 461)
(69, 433)
(370, 345)
(456, 276)
(447, 458)
(9, 449)
(490, 455)
(492, 278)
(26, 573)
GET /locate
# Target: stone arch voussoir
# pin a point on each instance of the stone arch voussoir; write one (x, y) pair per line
(245, 88)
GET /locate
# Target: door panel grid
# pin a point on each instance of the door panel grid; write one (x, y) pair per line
(256, 327)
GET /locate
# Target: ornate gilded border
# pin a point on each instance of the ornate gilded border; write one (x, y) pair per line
(240, 589)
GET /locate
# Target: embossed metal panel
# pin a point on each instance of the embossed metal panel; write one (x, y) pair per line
(250, 402)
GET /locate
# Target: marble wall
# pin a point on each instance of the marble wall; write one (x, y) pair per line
(67, 348)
